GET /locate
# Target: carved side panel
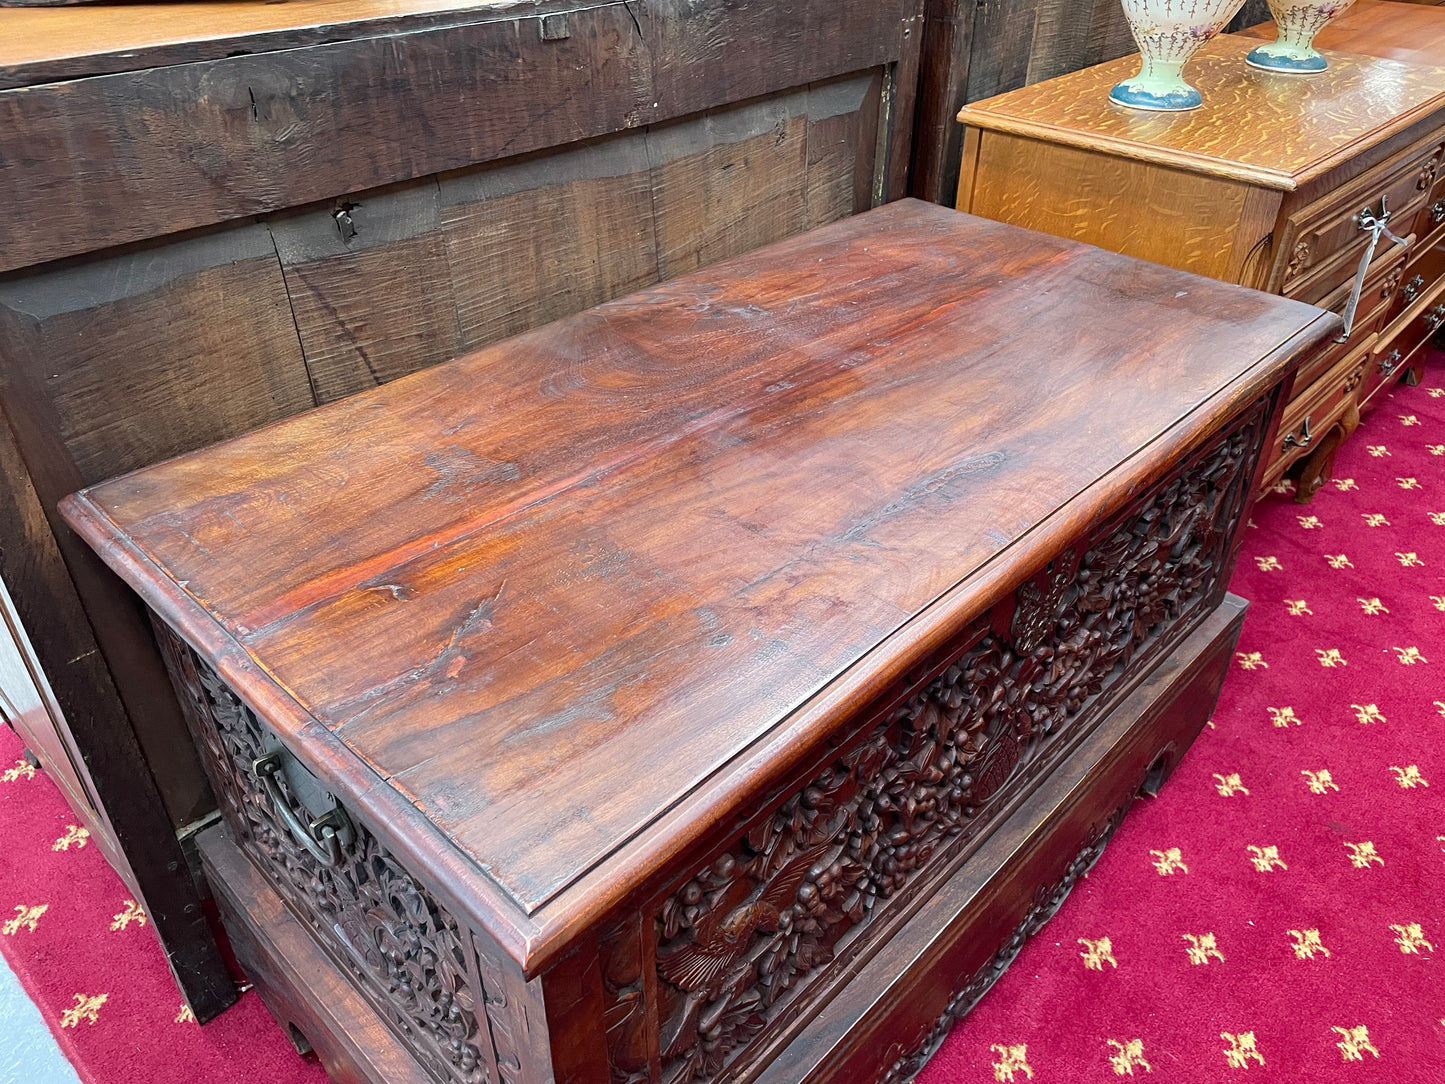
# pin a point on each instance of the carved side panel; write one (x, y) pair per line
(748, 939)
(402, 949)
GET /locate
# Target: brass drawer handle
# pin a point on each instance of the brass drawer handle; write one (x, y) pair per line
(1411, 289)
(324, 837)
(1437, 213)
(1435, 317)
(1389, 362)
(1304, 439)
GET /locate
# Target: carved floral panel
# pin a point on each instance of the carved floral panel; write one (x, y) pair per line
(400, 947)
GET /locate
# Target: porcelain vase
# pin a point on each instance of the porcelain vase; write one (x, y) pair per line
(1169, 33)
(1297, 22)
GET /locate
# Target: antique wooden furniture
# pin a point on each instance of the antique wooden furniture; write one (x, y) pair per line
(218, 215)
(597, 703)
(1275, 184)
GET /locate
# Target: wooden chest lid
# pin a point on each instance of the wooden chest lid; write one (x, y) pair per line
(1275, 131)
(546, 613)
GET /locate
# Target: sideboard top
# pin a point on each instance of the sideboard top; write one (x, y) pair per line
(575, 597)
(1275, 131)
(1414, 33)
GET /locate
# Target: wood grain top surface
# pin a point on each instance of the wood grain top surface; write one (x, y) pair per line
(1277, 131)
(549, 590)
(1414, 33)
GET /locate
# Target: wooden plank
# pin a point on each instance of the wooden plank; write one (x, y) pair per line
(546, 236)
(118, 362)
(259, 133)
(196, 337)
(1061, 39)
(728, 181)
(127, 810)
(942, 86)
(709, 54)
(842, 140)
(46, 47)
(898, 109)
(1003, 34)
(95, 162)
(1109, 34)
(369, 286)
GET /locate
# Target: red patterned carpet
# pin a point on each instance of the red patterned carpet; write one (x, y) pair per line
(88, 959)
(1273, 916)
(1278, 913)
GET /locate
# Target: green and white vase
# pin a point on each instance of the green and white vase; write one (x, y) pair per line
(1297, 22)
(1169, 33)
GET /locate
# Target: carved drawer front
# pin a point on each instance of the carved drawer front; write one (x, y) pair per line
(1323, 242)
(751, 941)
(384, 930)
(1430, 219)
(1381, 289)
(1419, 312)
(1331, 400)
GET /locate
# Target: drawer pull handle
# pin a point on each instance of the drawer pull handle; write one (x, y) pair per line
(1304, 439)
(1377, 226)
(1437, 213)
(324, 837)
(1435, 317)
(1411, 289)
(1389, 362)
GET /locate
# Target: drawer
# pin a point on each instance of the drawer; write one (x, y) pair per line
(1321, 238)
(1423, 274)
(1311, 415)
(1419, 310)
(1431, 216)
(1381, 289)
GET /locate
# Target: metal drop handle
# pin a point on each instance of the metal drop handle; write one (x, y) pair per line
(1389, 362)
(1411, 289)
(1378, 226)
(1437, 213)
(324, 837)
(1435, 317)
(1305, 438)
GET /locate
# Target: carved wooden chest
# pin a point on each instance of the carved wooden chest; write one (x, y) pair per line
(721, 683)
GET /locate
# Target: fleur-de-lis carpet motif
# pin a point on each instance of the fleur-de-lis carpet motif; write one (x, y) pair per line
(1275, 913)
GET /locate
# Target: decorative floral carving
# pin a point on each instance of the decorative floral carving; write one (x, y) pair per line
(738, 939)
(1428, 172)
(1299, 259)
(402, 949)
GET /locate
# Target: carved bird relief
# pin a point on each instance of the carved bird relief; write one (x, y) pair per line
(722, 938)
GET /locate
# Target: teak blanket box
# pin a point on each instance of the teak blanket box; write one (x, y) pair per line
(719, 684)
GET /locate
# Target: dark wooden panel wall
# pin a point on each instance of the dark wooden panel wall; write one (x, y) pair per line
(974, 49)
(202, 239)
